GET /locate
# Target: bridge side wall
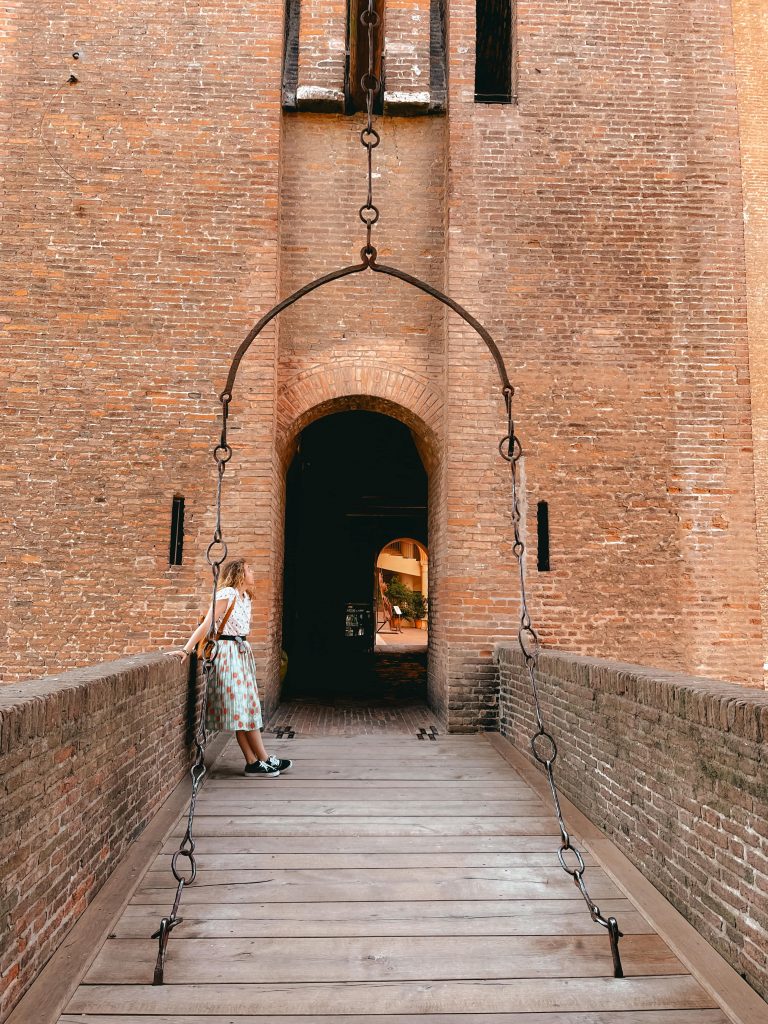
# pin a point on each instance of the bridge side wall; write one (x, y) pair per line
(669, 766)
(86, 759)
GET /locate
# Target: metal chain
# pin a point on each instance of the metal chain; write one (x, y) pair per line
(542, 742)
(370, 138)
(215, 556)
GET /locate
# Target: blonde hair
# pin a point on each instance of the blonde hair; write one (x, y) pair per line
(233, 574)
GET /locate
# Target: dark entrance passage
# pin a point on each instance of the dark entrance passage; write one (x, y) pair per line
(355, 482)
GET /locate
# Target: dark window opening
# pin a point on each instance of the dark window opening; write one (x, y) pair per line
(438, 86)
(291, 54)
(357, 57)
(542, 530)
(493, 52)
(177, 532)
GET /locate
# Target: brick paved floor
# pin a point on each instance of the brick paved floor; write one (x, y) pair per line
(389, 695)
(350, 718)
(407, 637)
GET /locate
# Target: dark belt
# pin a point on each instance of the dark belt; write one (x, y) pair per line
(228, 636)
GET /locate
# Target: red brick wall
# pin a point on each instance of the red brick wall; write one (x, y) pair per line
(750, 28)
(129, 277)
(86, 759)
(595, 227)
(672, 768)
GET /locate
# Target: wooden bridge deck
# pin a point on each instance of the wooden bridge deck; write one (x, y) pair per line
(384, 880)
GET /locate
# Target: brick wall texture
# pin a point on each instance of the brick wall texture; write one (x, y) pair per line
(86, 758)
(750, 28)
(672, 768)
(156, 207)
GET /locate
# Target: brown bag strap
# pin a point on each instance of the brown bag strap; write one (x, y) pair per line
(203, 640)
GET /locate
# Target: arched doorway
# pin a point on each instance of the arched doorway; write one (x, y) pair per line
(356, 481)
(402, 594)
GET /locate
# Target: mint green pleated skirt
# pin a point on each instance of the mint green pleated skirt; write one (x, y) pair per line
(233, 697)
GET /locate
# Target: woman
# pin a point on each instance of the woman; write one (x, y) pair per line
(233, 697)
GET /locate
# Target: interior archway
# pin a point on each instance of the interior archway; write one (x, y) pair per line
(401, 590)
(355, 482)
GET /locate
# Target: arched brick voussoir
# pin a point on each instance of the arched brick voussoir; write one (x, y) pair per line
(312, 394)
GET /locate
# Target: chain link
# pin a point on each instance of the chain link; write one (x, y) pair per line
(370, 138)
(543, 743)
(215, 555)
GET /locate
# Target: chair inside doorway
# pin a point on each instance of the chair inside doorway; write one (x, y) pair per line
(355, 486)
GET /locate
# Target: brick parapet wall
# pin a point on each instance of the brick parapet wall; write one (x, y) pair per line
(672, 768)
(86, 759)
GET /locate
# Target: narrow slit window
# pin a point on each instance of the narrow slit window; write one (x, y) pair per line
(291, 54)
(542, 531)
(493, 51)
(177, 531)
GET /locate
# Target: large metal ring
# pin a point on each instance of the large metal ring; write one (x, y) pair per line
(211, 546)
(226, 449)
(176, 874)
(368, 134)
(370, 83)
(541, 734)
(369, 222)
(580, 865)
(369, 17)
(368, 255)
(517, 448)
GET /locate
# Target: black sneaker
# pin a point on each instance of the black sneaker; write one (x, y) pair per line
(280, 764)
(264, 768)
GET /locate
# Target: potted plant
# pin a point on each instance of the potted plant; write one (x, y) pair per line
(419, 609)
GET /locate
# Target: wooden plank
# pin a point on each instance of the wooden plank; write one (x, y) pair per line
(330, 755)
(346, 750)
(321, 960)
(558, 1017)
(394, 742)
(394, 771)
(738, 1000)
(544, 995)
(349, 789)
(213, 806)
(412, 766)
(371, 844)
(369, 861)
(286, 888)
(552, 877)
(307, 825)
(445, 917)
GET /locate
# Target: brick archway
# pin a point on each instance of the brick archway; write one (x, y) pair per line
(415, 402)
(407, 397)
